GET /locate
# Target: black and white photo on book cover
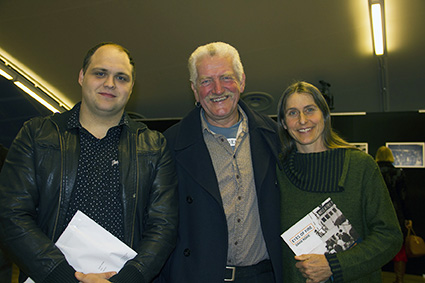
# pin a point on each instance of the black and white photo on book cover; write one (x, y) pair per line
(325, 230)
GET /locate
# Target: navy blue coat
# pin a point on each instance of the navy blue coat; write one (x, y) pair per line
(201, 251)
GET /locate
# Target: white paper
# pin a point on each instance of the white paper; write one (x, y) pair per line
(89, 248)
(324, 230)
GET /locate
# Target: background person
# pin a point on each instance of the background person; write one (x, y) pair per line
(225, 155)
(93, 158)
(318, 164)
(395, 179)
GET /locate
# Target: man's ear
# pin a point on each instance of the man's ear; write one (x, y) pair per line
(195, 91)
(81, 77)
(242, 83)
(131, 90)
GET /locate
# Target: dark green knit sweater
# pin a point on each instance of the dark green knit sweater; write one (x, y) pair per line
(353, 180)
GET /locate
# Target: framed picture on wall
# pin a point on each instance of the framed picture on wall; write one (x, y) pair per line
(360, 145)
(407, 154)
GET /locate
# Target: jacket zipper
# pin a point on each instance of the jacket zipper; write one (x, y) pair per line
(61, 183)
(137, 188)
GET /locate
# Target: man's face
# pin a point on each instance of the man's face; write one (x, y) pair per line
(107, 83)
(218, 90)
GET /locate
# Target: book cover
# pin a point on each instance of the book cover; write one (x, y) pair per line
(325, 230)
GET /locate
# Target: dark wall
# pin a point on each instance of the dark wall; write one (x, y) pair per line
(376, 129)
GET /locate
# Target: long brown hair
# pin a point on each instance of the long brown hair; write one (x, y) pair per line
(331, 139)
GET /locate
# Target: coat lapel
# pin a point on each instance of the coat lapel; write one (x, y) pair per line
(192, 154)
(263, 140)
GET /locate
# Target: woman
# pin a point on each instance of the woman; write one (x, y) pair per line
(395, 179)
(317, 164)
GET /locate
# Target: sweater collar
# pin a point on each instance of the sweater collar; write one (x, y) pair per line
(316, 172)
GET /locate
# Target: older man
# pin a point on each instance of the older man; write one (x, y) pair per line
(225, 155)
(93, 158)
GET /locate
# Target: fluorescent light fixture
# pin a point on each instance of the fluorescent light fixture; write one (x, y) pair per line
(6, 75)
(35, 96)
(30, 86)
(378, 28)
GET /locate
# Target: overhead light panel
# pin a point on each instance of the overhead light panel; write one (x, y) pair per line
(30, 86)
(378, 33)
(36, 96)
(377, 17)
(6, 75)
(377, 22)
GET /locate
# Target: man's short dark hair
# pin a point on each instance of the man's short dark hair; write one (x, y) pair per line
(87, 58)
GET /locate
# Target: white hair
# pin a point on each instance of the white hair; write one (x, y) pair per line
(219, 49)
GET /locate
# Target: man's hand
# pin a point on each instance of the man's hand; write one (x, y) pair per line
(314, 267)
(94, 277)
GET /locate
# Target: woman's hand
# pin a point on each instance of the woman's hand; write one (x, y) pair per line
(314, 267)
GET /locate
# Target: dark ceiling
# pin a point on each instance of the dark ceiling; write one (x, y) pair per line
(279, 41)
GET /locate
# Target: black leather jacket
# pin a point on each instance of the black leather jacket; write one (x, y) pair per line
(39, 175)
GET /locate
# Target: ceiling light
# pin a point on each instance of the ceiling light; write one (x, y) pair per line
(378, 26)
(6, 75)
(36, 96)
(30, 86)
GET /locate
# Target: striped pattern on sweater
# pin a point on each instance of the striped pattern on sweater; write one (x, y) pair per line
(316, 172)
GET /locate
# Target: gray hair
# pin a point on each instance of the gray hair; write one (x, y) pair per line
(219, 49)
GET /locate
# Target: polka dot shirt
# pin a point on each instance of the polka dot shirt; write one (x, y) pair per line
(98, 190)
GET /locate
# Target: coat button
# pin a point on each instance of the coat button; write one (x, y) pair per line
(186, 252)
(189, 199)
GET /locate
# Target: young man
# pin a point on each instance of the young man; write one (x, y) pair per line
(93, 158)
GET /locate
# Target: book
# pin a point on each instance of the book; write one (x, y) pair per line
(325, 230)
